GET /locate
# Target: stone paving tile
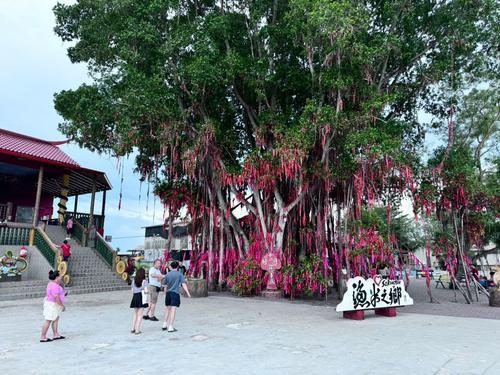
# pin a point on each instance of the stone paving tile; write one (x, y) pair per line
(222, 335)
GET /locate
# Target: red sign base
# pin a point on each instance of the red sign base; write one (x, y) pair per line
(354, 315)
(387, 311)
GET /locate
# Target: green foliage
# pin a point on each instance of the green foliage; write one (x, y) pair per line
(256, 68)
(246, 279)
(407, 232)
(306, 277)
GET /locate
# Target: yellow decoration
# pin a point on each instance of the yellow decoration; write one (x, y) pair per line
(62, 268)
(120, 267)
(66, 279)
(64, 198)
(125, 276)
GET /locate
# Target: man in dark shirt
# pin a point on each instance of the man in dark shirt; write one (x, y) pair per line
(174, 280)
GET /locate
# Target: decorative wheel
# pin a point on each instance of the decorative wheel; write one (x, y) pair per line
(117, 259)
(120, 267)
(125, 276)
(66, 279)
(21, 264)
(62, 268)
(60, 259)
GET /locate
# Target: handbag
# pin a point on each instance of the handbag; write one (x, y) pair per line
(145, 296)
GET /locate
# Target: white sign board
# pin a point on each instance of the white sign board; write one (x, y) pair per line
(374, 294)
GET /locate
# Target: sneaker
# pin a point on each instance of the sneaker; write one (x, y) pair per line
(145, 317)
(153, 318)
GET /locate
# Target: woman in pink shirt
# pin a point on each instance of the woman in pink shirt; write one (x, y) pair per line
(69, 227)
(53, 306)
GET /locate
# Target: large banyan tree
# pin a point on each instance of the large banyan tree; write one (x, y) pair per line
(298, 113)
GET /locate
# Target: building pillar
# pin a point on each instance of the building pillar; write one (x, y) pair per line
(38, 196)
(103, 208)
(31, 238)
(76, 206)
(8, 215)
(90, 224)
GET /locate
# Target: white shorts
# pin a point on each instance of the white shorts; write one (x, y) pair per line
(51, 310)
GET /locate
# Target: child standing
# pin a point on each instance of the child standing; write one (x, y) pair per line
(66, 250)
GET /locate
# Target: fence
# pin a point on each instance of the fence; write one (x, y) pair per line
(46, 247)
(14, 235)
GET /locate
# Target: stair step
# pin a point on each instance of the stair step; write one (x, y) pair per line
(9, 284)
(89, 273)
(76, 290)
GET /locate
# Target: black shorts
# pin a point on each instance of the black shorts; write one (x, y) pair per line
(172, 299)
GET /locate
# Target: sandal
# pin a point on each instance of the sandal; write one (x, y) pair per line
(132, 331)
(172, 330)
(138, 333)
(46, 340)
(59, 338)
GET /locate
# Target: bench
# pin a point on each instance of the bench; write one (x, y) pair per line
(443, 278)
(422, 273)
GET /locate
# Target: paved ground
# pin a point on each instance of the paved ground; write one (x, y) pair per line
(447, 305)
(226, 335)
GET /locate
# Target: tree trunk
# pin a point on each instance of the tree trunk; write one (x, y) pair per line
(211, 242)
(221, 251)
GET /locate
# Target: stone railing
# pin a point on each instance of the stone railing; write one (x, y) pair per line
(105, 250)
(46, 247)
(14, 234)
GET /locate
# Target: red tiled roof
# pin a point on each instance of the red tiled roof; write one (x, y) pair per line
(34, 149)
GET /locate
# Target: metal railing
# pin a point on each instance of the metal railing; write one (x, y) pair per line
(46, 247)
(14, 234)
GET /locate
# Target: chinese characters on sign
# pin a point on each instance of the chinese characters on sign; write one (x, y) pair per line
(364, 294)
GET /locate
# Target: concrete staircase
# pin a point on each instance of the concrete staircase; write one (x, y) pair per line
(88, 271)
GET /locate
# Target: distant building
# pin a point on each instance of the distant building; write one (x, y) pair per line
(156, 241)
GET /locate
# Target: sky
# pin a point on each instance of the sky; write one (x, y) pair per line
(34, 66)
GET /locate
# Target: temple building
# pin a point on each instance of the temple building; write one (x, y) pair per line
(36, 175)
(34, 172)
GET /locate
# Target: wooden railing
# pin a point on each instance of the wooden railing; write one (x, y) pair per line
(14, 234)
(84, 220)
(105, 250)
(46, 247)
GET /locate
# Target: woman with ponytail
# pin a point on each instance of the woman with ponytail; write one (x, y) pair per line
(53, 306)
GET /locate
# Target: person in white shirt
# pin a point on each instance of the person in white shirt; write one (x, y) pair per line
(155, 278)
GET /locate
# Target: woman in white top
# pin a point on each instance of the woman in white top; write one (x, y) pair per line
(138, 286)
